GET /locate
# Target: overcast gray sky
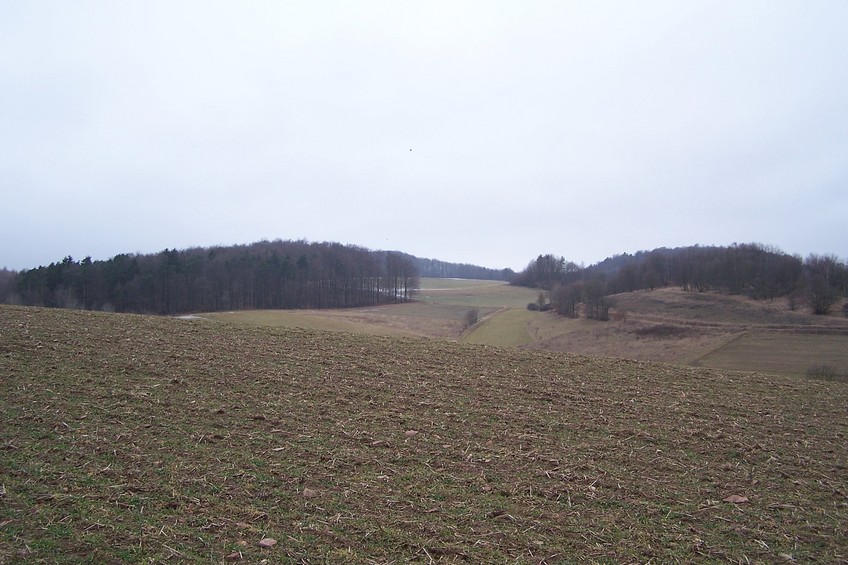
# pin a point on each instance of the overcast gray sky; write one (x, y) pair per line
(481, 132)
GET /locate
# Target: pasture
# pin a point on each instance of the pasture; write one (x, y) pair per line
(439, 311)
(133, 439)
(666, 325)
(503, 328)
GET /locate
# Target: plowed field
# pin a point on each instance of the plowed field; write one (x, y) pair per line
(132, 439)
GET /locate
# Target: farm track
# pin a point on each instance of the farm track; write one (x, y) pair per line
(141, 439)
(732, 327)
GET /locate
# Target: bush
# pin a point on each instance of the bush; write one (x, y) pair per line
(532, 306)
(825, 373)
(471, 317)
(541, 300)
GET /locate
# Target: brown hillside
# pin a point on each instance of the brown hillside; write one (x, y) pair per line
(673, 326)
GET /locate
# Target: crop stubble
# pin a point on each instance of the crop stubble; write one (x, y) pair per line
(131, 438)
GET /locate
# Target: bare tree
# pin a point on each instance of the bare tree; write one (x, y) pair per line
(824, 274)
(565, 299)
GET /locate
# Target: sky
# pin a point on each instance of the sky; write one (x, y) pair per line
(481, 132)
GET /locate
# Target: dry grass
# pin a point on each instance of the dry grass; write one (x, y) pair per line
(729, 332)
(439, 313)
(129, 439)
(474, 293)
(666, 325)
(710, 309)
(505, 328)
(666, 341)
(781, 352)
(415, 319)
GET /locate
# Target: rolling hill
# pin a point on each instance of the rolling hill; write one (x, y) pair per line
(667, 325)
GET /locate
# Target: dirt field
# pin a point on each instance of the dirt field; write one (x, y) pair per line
(132, 439)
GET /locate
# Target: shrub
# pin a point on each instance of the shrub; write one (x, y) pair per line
(825, 373)
(532, 306)
(471, 317)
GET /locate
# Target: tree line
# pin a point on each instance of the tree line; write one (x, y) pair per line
(758, 271)
(263, 275)
(433, 268)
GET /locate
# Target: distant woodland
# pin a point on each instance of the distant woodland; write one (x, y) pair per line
(433, 268)
(272, 275)
(299, 274)
(757, 271)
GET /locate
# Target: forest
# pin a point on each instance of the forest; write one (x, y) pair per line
(299, 274)
(268, 274)
(755, 270)
(433, 268)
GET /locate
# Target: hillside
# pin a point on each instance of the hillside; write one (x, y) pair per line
(128, 438)
(710, 329)
(667, 325)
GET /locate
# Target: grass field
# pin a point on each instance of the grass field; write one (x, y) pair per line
(416, 319)
(474, 293)
(439, 312)
(132, 439)
(504, 328)
(666, 325)
(781, 353)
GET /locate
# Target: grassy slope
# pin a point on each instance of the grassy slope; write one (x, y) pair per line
(667, 325)
(139, 439)
(475, 293)
(673, 326)
(505, 328)
(733, 332)
(779, 352)
(440, 311)
(411, 319)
